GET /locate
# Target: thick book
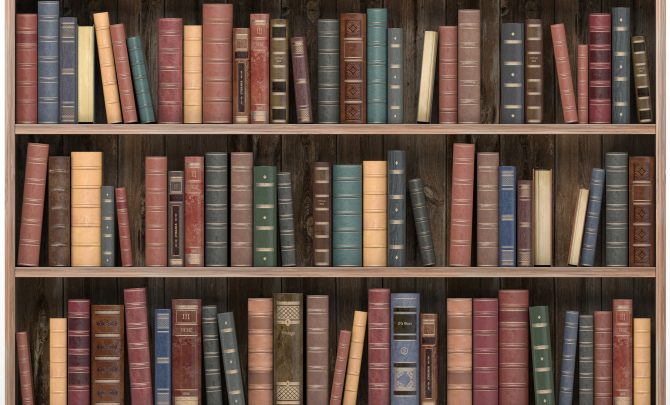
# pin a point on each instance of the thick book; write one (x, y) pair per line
(265, 216)
(163, 357)
(139, 355)
(170, 70)
(107, 354)
(58, 233)
(193, 74)
(622, 351)
(602, 354)
(316, 351)
(459, 350)
(462, 190)
(107, 227)
(642, 361)
(301, 83)
(428, 359)
(241, 104)
(322, 214)
(513, 347)
(211, 354)
(86, 208)
(616, 209)
(26, 69)
(578, 220)
(540, 340)
(569, 357)
(448, 75)
(124, 76)
(47, 61)
(424, 235)
(484, 351)
(175, 209)
(353, 71)
(641, 211)
(25, 370)
(231, 361)
(621, 59)
(405, 345)
(186, 351)
(507, 216)
(379, 346)
(585, 360)
(85, 74)
(512, 95)
(32, 207)
(524, 228)
(67, 70)
(426, 84)
(194, 211)
(79, 351)
(592, 221)
(395, 76)
(600, 68)
(347, 215)
(241, 208)
(216, 209)
(533, 71)
(644, 102)
(564, 74)
(217, 59)
(340, 370)
(469, 66)
(288, 348)
(543, 220)
(279, 70)
(285, 214)
(583, 83)
(396, 208)
(110, 88)
(377, 60)
(353, 375)
(328, 76)
(58, 388)
(374, 213)
(259, 68)
(259, 351)
(156, 205)
(138, 69)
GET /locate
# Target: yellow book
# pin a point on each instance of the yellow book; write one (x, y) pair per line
(355, 358)
(85, 74)
(427, 83)
(543, 217)
(58, 361)
(642, 361)
(374, 213)
(578, 227)
(110, 88)
(86, 197)
(193, 74)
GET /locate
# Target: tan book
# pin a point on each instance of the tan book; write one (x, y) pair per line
(192, 74)
(543, 217)
(110, 88)
(642, 361)
(374, 213)
(85, 74)
(58, 361)
(86, 186)
(279, 61)
(355, 358)
(578, 227)
(459, 351)
(426, 85)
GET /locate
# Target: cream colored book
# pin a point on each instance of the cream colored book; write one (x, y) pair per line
(192, 74)
(642, 361)
(578, 227)
(355, 358)
(58, 361)
(543, 217)
(374, 213)
(86, 183)
(426, 85)
(85, 74)
(110, 88)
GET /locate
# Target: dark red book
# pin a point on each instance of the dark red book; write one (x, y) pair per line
(379, 346)
(170, 71)
(123, 74)
(32, 207)
(484, 351)
(186, 351)
(462, 189)
(125, 244)
(217, 58)
(137, 335)
(600, 68)
(25, 370)
(448, 75)
(622, 351)
(155, 222)
(26, 69)
(340, 372)
(259, 68)
(79, 351)
(602, 354)
(194, 211)
(513, 347)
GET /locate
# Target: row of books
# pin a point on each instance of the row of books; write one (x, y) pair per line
(487, 352)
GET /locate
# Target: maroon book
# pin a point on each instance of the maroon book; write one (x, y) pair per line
(448, 75)
(217, 59)
(32, 207)
(79, 351)
(259, 68)
(462, 186)
(602, 353)
(600, 68)
(340, 371)
(124, 227)
(622, 351)
(186, 351)
(137, 336)
(484, 351)
(513, 347)
(379, 346)
(26, 68)
(123, 75)
(194, 210)
(170, 71)
(25, 371)
(155, 222)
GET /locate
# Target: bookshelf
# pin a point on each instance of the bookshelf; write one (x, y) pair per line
(33, 295)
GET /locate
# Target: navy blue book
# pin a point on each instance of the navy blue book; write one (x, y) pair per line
(163, 357)
(588, 255)
(48, 28)
(405, 308)
(397, 208)
(568, 358)
(507, 216)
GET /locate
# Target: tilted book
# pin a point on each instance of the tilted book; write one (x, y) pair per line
(86, 74)
(32, 205)
(397, 208)
(138, 68)
(643, 99)
(211, 355)
(405, 345)
(26, 69)
(592, 222)
(79, 351)
(379, 346)
(107, 354)
(429, 55)
(459, 350)
(568, 358)
(347, 215)
(642, 361)
(108, 227)
(524, 226)
(193, 74)
(231, 359)
(316, 351)
(641, 211)
(484, 351)
(170, 70)
(533, 71)
(67, 69)
(512, 96)
(585, 359)
(123, 74)
(194, 211)
(47, 61)
(322, 213)
(543, 221)
(355, 359)
(616, 209)
(86, 208)
(424, 235)
(340, 370)
(328, 77)
(377, 60)
(216, 209)
(622, 350)
(301, 83)
(564, 74)
(241, 103)
(285, 213)
(469, 66)
(259, 68)
(352, 68)
(288, 348)
(137, 334)
(175, 207)
(600, 68)
(540, 340)
(448, 75)
(507, 216)
(395, 77)
(259, 351)
(163, 357)
(513, 347)
(186, 351)
(487, 208)
(462, 188)
(602, 353)
(110, 88)
(217, 60)
(58, 361)
(374, 213)
(279, 70)
(25, 370)
(428, 359)
(265, 216)
(578, 219)
(241, 208)
(621, 60)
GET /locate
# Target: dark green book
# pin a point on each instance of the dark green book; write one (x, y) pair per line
(231, 359)
(395, 76)
(586, 365)
(211, 356)
(543, 370)
(286, 228)
(138, 68)
(216, 209)
(108, 224)
(265, 216)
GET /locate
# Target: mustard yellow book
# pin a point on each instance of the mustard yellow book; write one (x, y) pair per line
(427, 83)
(374, 213)
(86, 183)
(578, 227)
(355, 358)
(642, 361)
(85, 74)
(543, 218)
(58, 361)
(193, 74)
(110, 88)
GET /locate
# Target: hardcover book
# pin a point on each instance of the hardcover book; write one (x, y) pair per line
(211, 354)
(175, 207)
(424, 235)
(32, 207)
(241, 103)
(217, 60)
(377, 60)
(138, 69)
(642, 361)
(259, 68)
(534, 71)
(163, 357)
(355, 359)
(241, 205)
(110, 87)
(425, 101)
(524, 228)
(58, 388)
(59, 195)
(194, 211)
(448, 75)
(484, 351)
(123, 74)
(322, 215)
(583, 83)
(347, 215)
(279, 70)
(231, 360)
(156, 218)
(265, 216)
(621, 58)
(641, 212)
(47, 61)
(78, 351)
(353, 68)
(67, 69)
(578, 220)
(513, 347)
(170, 70)
(585, 359)
(108, 227)
(395, 77)
(543, 221)
(301, 83)
(86, 74)
(285, 213)
(462, 185)
(216, 209)
(592, 221)
(26, 70)
(405, 371)
(259, 351)
(374, 213)
(86, 208)
(564, 74)
(602, 365)
(137, 334)
(600, 68)
(643, 99)
(317, 366)
(512, 94)
(469, 66)
(193, 74)
(288, 348)
(568, 357)
(428, 376)
(459, 350)
(379, 346)
(186, 351)
(396, 208)
(328, 77)
(540, 339)
(337, 386)
(622, 350)
(507, 216)
(616, 209)
(25, 370)
(107, 354)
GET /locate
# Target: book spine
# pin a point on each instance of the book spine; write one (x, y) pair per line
(592, 222)
(616, 209)
(347, 215)
(429, 391)
(26, 71)
(396, 208)
(424, 235)
(340, 370)
(379, 346)
(602, 365)
(303, 96)
(216, 209)
(462, 185)
(241, 104)
(123, 224)
(513, 347)
(322, 203)
(186, 351)
(353, 104)
(138, 69)
(259, 68)
(328, 77)
(139, 356)
(217, 59)
(79, 351)
(534, 71)
(85, 211)
(469, 66)
(355, 359)
(175, 207)
(564, 74)
(32, 207)
(58, 389)
(25, 370)
(285, 212)
(47, 61)
(107, 354)
(108, 227)
(542, 219)
(279, 70)
(212, 352)
(507, 216)
(156, 219)
(194, 211)
(110, 89)
(405, 346)
(524, 228)
(448, 75)
(193, 74)
(600, 68)
(579, 219)
(622, 350)
(231, 360)
(374, 213)
(163, 357)
(643, 98)
(67, 81)
(621, 57)
(512, 94)
(259, 351)
(377, 59)
(569, 357)
(585, 361)
(288, 348)
(85, 74)
(459, 350)
(58, 233)
(540, 339)
(317, 350)
(395, 76)
(641, 213)
(123, 74)
(265, 216)
(484, 351)
(170, 71)
(241, 203)
(642, 361)
(583, 83)
(425, 101)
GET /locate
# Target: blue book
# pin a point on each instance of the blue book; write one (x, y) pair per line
(568, 358)
(47, 61)
(588, 255)
(396, 208)
(377, 22)
(163, 357)
(405, 308)
(347, 215)
(507, 216)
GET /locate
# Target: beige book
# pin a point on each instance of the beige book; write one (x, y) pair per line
(58, 361)
(192, 74)
(642, 361)
(86, 186)
(110, 88)
(355, 358)
(543, 217)
(85, 74)
(374, 213)
(578, 227)
(427, 83)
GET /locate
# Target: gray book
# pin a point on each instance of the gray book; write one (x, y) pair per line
(285, 212)
(396, 208)
(421, 222)
(395, 76)
(108, 226)
(211, 356)
(216, 209)
(512, 94)
(328, 79)
(231, 359)
(377, 22)
(69, 112)
(586, 360)
(568, 358)
(621, 32)
(47, 61)
(616, 209)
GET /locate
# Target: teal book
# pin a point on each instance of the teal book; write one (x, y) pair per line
(347, 215)
(377, 22)
(231, 359)
(265, 216)
(138, 68)
(395, 78)
(543, 370)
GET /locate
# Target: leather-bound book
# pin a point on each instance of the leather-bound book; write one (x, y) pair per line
(322, 203)
(353, 71)
(513, 347)
(469, 66)
(193, 74)
(484, 351)
(353, 364)
(428, 359)
(328, 73)
(231, 360)
(138, 68)
(170, 70)
(583, 83)
(396, 208)
(175, 209)
(616, 209)
(512, 95)
(108, 226)
(405, 347)
(425, 101)
(32, 207)
(569, 357)
(241, 214)
(459, 350)
(137, 335)
(600, 68)
(487, 208)
(85, 74)
(377, 59)
(259, 351)
(374, 213)
(643, 99)
(524, 228)
(58, 234)
(211, 355)
(340, 370)
(123, 225)
(543, 221)
(602, 365)
(259, 68)
(25, 370)
(462, 190)
(216, 209)
(641, 211)
(240, 102)
(288, 348)
(265, 216)
(67, 70)
(564, 74)
(163, 357)
(217, 59)
(156, 203)
(395, 76)
(110, 88)
(186, 351)
(424, 235)
(642, 360)
(533, 71)
(622, 351)
(578, 219)
(79, 351)
(507, 216)
(621, 58)
(303, 96)
(347, 215)
(47, 61)
(107, 354)
(26, 69)
(285, 213)
(279, 70)
(194, 211)
(592, 221)
(585, 361)
(448, 75)
(85, 211)
(379, 346)
(124, 76)
(317, 350)
(58, 389)
(540, 340)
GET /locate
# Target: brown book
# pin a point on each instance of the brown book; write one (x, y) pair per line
(447, 71)
(170, 70)
(260, 383)
(534, 71)
(565, 84)
(125, 244)
(469, 66)
(241, 76)
(622, 351)
(462, 185)
(217, 36)
(279, 71)
(288, 348)
(186, 351)
(602, 351)
(176, 218)
(487, 208)
(583, 83)
(123, 74)
(58, 233)
(459, 350)
(641, 212)
(524, 226)
(194, 211)
(32, 207)
(340, 370)
(107, 354)
(353, 68)
(303, 97)
(643, 99)
(25, 370)
(241, 212)
(429, 359)
(26, 69)
(322, 200)
(259, 68)
(317, 349)
(155, 222)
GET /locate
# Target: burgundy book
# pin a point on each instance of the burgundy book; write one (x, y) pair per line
(259, 68)
(448, 75)
(25, 370)
(641, 211)
(155, 221)
(79, 351)
(583, 83)
(379, 345)
(26, 69)
(241, 210)
(353, 91)
(125, 244)
(124, 78)
(602, 353)
(513, 347)
(186, 351)
(462, 189)
(600, 68)
(194, 211)
(170, 71)
(340, 371)
(565, 85)
(524, 228)
(303, 97)
(241, 103)
(429, 360)
(137, 335)
(32, 207)
(484, 351)
(622, 351)
(469, 66)
(217, 63)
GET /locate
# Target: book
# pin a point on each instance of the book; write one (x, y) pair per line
(396, 208)
(484, 351)
(124, 77)
(340, 370)
(47, 61)
(564, 74)
(279, 70)
(138, 69)
(347, 215)
(217, 60)
(424, 235)
(469, 66)
(459, 350)
(425, 100)
(58, 233)
(137, 335)
(642, 360)
(108, 227)
(487, 208)
(110, 88)
(193, 74)
(586, 356)
(241, 204)
(265, 216)
(316, 374)
(592, 221)
(602, 365)
(533, 71)
(186, 351)
(543, 221)
(374, 213)
(170, 71)
(377, 62)
(25, 370)
(32, 207)
(578, 220)
(259, 68)
(86, 74)
(156, 217)
(524, 228)
(216, 209)
(641, 212)
(78, 351)
(285, 213)
(259, 351)
(58, 388)
(405, 347)
(621, 57)
(288, 348)
(86, 168)
(448, 75)
(643, 99)
(194, 211)
(163, 357)
(67, 70)
(540, 339)
(241, 104)
(379, 346)
(616, 209)
(428, 359)
(175, 207)
(395, 76)
(513, 347)
(353, 71)
(569, 356)
(600, 68)
(355, 359)
(303, 96)
(622, 350)
(328, 73)
(462, 188)
(26, 73)
(512, 58)
(507, 216)
(231, 359)
(583, 83)
(212, 337)
(107, 354)
(322, 215)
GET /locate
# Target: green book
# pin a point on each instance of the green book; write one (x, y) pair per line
(265, 216)
(138, 69)
(540, 340)
(377, 21)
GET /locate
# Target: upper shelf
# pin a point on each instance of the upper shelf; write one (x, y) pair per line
(333, 129)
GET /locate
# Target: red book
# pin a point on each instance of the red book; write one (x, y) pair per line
(217, 59)
(79, 351)
(194, 211)
(600, 68)
(170, 71)
(26, 69)
(602, 351)
(583, 83)
(32, 208)
(565, 85)
(124, 227)
(484, 351)
(123, 75)
(462, 190)
(186, 351)
(259, 69)
(379, 346)
(513, 347)
(155, 221)
(448, 75)
(137, 335)
(25, 370)
(340, 371)
(622, 351)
